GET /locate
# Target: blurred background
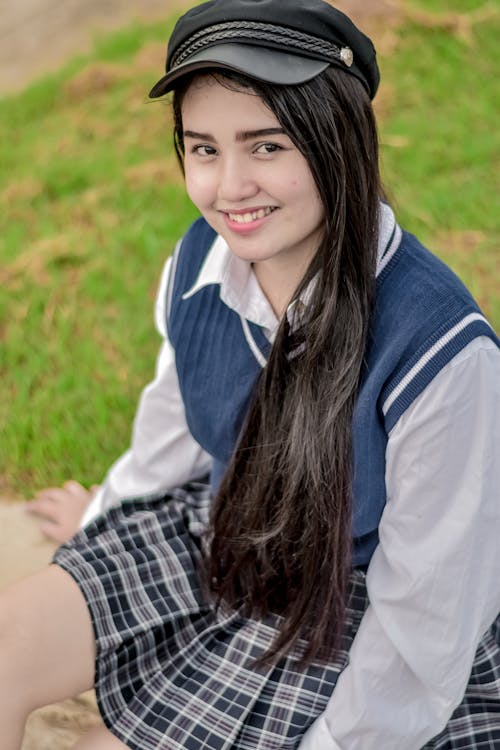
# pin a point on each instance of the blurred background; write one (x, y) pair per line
(92, 201)
(37, 36)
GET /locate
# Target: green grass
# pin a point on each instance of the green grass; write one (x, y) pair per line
(91, 203)
(443, 171)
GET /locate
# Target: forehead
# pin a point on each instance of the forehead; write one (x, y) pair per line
(215, 98)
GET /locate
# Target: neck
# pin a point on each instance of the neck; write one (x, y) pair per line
(278, 283)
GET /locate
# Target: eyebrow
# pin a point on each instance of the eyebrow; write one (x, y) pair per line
(241, 137)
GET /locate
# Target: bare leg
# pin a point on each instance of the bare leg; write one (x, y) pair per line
(47, 648)
(99, 739)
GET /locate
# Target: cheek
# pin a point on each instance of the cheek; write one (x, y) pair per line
(317, 209)
(303, 194)
(312, 199)
(197, 187)
(299, 182)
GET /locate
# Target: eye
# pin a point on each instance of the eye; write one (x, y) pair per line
(203, 150)
(268, 148)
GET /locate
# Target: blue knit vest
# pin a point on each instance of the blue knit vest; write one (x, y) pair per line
(423, 317)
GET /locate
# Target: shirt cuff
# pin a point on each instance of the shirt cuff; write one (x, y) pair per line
(318, 737)
(93, 509)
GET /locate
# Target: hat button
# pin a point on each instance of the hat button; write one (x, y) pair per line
(346, 56)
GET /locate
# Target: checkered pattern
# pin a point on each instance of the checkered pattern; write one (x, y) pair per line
(475, 724)
(172, 673)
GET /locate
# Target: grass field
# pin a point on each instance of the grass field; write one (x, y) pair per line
(91, 202)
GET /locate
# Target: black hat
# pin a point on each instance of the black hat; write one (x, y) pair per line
(277, 41)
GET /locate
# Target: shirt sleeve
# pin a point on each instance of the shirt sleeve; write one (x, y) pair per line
(433, 580)
(163, 454)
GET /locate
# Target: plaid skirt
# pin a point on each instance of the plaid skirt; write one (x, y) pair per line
(173, 673)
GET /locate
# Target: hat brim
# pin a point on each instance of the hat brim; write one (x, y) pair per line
(263, 64)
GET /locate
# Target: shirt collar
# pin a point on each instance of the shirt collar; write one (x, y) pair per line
(240, 290)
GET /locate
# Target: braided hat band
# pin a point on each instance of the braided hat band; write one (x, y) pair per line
(268, 34)
(284, 42)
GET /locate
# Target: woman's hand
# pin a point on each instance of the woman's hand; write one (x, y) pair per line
(60, 509)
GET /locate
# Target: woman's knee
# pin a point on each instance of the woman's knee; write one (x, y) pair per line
(46, 640)
(16, 633)
(17, 636)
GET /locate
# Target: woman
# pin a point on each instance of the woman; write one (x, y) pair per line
(339, 383)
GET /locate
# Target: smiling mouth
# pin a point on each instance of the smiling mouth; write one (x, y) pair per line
(249, 216)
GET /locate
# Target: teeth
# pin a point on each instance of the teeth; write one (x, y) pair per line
(250, 216)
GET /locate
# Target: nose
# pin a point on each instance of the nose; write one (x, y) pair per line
(236, 180)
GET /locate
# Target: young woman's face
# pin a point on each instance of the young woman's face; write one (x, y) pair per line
(250, 182)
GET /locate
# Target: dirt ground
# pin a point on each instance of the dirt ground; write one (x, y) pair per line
(37, 36)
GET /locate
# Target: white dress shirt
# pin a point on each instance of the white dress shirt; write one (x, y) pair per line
(433, 581)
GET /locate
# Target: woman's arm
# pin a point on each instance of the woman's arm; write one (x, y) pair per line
(433, 580)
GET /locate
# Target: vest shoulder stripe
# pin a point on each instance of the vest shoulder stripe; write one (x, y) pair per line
(408, 383)
(391, 249)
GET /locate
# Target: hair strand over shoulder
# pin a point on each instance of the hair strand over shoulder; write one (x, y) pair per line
(281, 521)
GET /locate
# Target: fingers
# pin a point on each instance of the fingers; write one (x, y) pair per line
(60, 509)
(53, 503)
(56, 531)
(46, 500)
(75, 488)
(42, 506)
(60, 521)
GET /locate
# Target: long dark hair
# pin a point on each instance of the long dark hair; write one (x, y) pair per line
(281, 521)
